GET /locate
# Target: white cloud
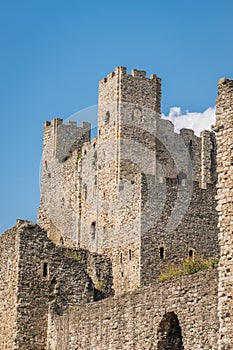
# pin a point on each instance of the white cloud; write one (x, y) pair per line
(197, 121)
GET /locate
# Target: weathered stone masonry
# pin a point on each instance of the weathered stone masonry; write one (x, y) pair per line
(35, 276)
(224, 132)
(114, 211)
(134, 321)
(8, 288)
(119, 193)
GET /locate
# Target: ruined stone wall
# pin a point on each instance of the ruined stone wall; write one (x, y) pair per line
(185, 155)
(9, 257)
(208, 158)
(37, 275)
(59, 194)
(47, 275)
(182, 224)
(224, 134)
(136, 321)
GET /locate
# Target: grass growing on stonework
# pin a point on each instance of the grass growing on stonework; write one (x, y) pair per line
(188, 267)
(79, 155)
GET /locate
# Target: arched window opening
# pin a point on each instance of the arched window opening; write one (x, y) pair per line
(162, 253)
(62, 241)
(169, 333)
(130, 254)
(190, 143)
(93, 229)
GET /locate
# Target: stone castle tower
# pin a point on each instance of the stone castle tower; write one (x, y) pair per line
(137, 191)
(114, 211)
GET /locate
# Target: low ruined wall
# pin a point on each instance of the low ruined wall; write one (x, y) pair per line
(36, 275)
(133, 321)
(8, 288)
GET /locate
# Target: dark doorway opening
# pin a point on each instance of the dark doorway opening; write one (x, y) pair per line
(169, 333)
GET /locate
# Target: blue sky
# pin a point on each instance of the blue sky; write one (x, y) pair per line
(52, 54)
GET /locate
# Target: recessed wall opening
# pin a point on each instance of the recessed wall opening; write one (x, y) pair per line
(137, 115)
(107, 117)
(121, 258)
(181, 177)
(169, 333)
(191, 143)
(191, 253)
(93, 229)
(65, 159)
(85, 191)
(61, 240)
(130, 254)
(45, 269)
(122, 274)
(162, 253)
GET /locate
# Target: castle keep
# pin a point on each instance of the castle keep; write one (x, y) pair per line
(139, 193)
(114, 211)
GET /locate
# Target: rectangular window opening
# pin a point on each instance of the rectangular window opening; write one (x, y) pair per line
(161, 253)
(130, 254)
(93, 229)
(45, 269)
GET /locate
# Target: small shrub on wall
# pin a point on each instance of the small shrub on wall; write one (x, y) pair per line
(188, 267)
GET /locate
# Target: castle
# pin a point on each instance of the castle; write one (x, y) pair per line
(114, 211)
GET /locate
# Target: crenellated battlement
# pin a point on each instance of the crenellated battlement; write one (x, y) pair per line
(53, 122)
(135, 88)
(56, 122)
(60, 139)
(122, 72)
